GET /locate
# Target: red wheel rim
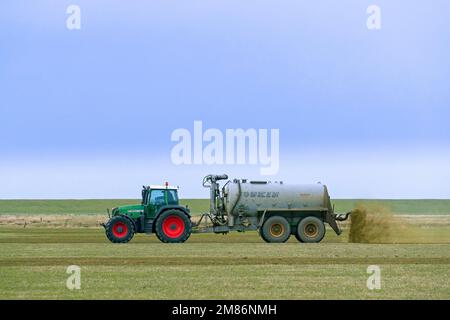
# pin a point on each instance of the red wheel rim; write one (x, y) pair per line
(120, 229)
(173, 226)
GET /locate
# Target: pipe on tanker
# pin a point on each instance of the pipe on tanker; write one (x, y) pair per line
(230, 213)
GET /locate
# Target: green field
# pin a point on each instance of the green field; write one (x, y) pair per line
(197, 206)
(39, 239)
(33, 265)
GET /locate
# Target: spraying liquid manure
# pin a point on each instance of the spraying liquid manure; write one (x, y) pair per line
(377, 224)
(370, 224)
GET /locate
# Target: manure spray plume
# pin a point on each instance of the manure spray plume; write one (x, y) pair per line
(371, 224)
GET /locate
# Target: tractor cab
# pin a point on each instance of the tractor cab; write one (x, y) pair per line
(159, 195)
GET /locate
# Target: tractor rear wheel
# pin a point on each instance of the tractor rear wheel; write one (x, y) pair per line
(310, 229)
(173, 226)
(119, 229)
(275, 229)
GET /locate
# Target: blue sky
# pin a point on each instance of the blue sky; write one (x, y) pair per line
(88, 113)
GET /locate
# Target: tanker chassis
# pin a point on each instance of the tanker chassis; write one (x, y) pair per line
(276, 210)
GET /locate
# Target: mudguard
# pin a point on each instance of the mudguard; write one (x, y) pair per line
(169, 207)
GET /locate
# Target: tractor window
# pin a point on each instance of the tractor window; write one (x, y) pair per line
(157, 197)
(172, 197)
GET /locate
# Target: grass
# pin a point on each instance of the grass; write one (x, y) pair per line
(33, 264)
(425, 232)
(39, 239)
(400, 206)
(91, 206)
(97, 206)
(197, 206)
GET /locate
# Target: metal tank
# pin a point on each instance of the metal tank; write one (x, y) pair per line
(250, 197)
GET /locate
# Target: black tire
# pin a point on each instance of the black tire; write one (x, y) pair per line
(275, 229)
(310, 230)
(173, 226)
(297, 237)
(119, 229)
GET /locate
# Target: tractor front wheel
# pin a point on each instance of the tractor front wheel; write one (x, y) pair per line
(173, 226)
(119, 229)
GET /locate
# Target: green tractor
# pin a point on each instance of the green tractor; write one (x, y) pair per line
(159, 213)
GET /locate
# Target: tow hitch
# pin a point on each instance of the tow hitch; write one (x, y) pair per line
(331, 219)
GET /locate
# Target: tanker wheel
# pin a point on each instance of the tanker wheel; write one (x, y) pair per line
(275, 229)
(298, 238)
(173, 226)
(119, 229)
(310, 229)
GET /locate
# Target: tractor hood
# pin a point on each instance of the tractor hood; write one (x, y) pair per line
(133, 211)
